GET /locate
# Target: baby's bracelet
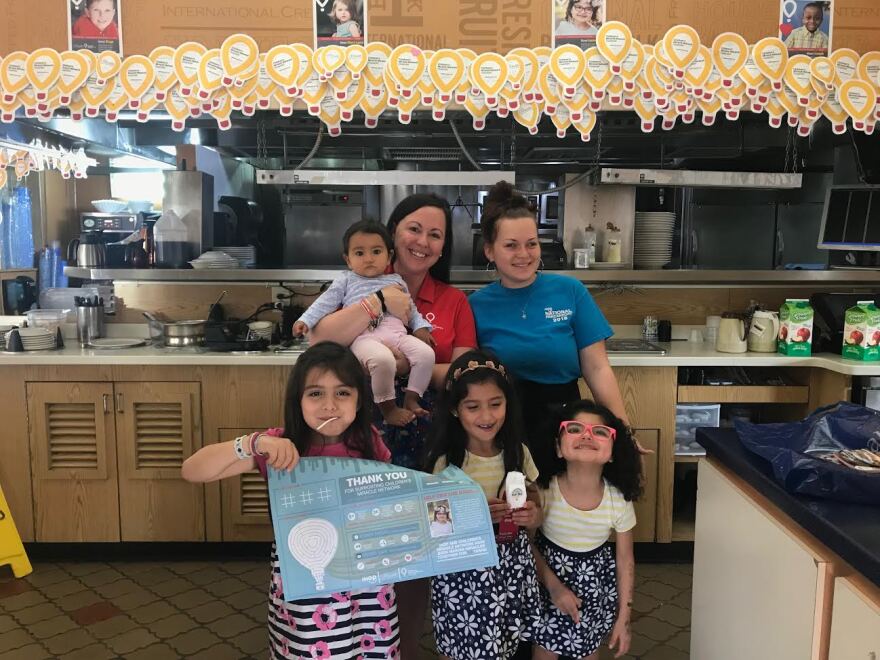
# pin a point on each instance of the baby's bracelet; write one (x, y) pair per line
(369, 309)
(241, 446)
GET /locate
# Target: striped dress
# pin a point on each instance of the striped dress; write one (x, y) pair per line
(349, 625)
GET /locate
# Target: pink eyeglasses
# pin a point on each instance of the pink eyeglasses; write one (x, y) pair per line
(578, 429)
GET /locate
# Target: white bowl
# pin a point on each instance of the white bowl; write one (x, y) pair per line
(140, 206)
(109, 205)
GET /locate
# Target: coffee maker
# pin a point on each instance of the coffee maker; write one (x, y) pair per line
(108, 229)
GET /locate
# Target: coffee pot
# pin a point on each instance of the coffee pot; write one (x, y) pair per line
(87, 251)
(731, 334)
(763, 331)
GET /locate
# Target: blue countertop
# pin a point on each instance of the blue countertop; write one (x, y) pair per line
(852, 531)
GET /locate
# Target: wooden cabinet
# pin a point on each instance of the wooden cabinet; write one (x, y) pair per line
(855, 620)
(245, 501)
(646, 507)
(649, 398)
(73, 454)
(158, 426)
(106, 461)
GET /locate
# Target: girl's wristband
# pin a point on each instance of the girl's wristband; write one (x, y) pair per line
(241, 447)
(254, 439)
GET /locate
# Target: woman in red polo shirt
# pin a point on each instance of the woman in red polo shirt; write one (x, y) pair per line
(421, 226)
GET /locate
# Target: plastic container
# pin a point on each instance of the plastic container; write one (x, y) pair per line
(44, 269)
(47, 318)
(170, 235)
(688, 418)
(22, 230)
(63, 298)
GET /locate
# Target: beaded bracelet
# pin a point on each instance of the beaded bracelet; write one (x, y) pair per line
(240, 450)
(375, 319)
(253, 443)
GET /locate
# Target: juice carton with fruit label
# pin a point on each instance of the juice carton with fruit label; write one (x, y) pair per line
(861, 332)
(795, 328)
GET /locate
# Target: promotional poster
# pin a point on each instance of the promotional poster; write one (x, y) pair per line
(343, 524)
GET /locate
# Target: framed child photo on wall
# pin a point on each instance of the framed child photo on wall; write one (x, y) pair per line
(805, 27)
(94, 25)
(577, 22)
(340, 22)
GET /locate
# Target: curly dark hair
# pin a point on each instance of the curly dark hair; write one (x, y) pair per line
(447, 437)
(502, 203)
(329, 356)
(624, 471)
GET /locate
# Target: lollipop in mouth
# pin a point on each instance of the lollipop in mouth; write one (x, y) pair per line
(325, 422)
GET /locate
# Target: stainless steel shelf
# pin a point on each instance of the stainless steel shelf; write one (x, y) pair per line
(479, 277)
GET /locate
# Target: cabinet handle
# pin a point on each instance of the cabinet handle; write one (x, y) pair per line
(120, 405)
(104, 401)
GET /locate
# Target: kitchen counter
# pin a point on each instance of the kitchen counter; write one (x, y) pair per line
(678, 354)
(852, 531)
(463, 277)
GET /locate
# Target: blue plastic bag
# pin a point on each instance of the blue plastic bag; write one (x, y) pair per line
(793, 449)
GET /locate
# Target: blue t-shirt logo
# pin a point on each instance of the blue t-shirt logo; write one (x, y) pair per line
(557, 315)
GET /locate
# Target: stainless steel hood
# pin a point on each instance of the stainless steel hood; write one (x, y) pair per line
(700, 179)
(383, 177)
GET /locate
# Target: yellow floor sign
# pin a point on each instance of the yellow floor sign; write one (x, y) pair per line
(11, 549)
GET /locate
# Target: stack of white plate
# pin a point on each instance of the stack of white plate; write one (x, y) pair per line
(246, 254)
(37, 339)
(3, 330)
(653, 239)
(215, 260)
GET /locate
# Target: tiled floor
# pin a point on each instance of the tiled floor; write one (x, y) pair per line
(217, 610)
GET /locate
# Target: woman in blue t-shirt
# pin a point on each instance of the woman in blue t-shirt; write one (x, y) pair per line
(546, 328)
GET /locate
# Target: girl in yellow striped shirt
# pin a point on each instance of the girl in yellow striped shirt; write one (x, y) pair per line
(586, 587)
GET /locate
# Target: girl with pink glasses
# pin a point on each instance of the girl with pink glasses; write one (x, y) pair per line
(586, 583)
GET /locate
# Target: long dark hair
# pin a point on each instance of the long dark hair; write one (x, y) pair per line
(502, 203)
(624, 471)
(329, 356)
(447, 437)
(411, 204)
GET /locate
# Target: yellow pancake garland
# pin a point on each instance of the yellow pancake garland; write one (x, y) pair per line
(671, 80)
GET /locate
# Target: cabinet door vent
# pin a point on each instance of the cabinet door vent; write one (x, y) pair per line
(159, 435)
(254, 495)
(72, 436)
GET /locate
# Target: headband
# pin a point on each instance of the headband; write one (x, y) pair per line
(473, 365)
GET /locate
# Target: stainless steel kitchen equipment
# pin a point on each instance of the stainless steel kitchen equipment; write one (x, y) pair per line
(177, 333)
(315, 221)
(633, 347)
(191, 196)
(87, 251)
(89, 320)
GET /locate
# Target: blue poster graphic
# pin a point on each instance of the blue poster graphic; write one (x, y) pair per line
(344, 523)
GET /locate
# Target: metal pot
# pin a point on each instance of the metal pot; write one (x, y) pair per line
(177, 333)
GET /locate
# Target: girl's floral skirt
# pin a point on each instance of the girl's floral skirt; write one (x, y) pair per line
(486, 613)
(592, 577)
(345, 626)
